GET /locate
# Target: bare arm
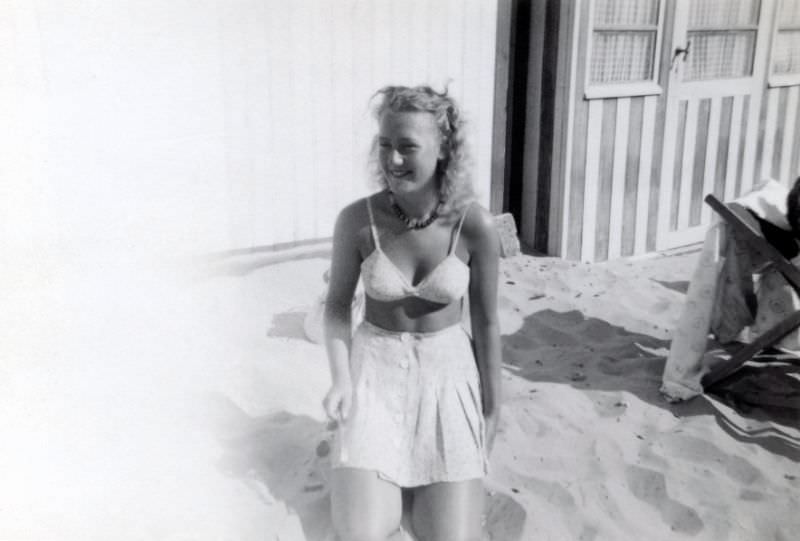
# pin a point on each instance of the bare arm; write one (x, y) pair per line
(484, 262)
(345, 269)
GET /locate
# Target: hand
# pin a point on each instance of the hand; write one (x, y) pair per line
(491, 430)
(338, 401)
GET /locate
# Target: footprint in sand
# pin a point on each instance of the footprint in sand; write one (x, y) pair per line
(751, 496)
(698, 450)
(650, 486)
(505, 517)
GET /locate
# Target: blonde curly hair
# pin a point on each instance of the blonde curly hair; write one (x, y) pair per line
(453, 172)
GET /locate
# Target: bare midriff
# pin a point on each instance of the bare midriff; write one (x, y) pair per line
(412, 314)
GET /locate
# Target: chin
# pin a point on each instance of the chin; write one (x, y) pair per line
(402, 186)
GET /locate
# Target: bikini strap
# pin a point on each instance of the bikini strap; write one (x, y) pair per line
(372, 225)
(458, 229)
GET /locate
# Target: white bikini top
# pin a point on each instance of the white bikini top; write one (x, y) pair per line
(383, 281)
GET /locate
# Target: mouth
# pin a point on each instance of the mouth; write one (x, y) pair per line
(400, 175)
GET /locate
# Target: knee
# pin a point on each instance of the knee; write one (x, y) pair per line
(363, 532)
(452, 533)
(449, 537)
(465, 537)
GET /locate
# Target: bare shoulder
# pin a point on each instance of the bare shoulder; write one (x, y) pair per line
(353, 217)
(352, 234)
(479, 229)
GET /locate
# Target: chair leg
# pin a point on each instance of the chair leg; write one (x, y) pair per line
(771, 336)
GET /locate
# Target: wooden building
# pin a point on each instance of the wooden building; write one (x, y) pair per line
(245, 125)
(623, 114)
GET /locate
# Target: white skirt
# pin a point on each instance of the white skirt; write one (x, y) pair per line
(416, 417)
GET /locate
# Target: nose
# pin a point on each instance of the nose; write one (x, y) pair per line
(395, 158)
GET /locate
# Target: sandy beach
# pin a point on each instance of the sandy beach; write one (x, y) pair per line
(208, 424)
(588, 449)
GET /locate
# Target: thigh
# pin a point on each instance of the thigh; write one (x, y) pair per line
(449, 511)
(364, 506)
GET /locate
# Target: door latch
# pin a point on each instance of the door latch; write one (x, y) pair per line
(681, 51)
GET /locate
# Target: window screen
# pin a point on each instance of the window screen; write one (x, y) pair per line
(722, 34)
(624, 38)
(786, 53)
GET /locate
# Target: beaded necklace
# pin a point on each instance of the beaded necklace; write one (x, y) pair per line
(414, 223)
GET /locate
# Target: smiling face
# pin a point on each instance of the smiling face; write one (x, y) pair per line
(409, 147)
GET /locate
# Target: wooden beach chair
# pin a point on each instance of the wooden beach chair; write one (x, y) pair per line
(739, 219)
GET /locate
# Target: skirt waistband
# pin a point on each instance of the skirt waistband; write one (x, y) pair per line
(371, 327)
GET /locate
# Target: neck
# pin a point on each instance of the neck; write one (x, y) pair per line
(418, 204)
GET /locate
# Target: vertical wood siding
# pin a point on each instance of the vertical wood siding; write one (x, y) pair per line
(781, 136)
(611, 179)
(614, 147)
(309, 67)
(245, 122)
(613, 150)
(720, 143)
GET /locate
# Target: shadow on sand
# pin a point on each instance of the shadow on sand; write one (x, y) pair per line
(288, 325)
(286, 457)
(591, 354)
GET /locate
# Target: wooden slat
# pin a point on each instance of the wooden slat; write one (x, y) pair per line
(749, 170)
(303, 125)
(604, 189)
(343, 54)
(319, 93)
(780, 126)
(734, 154)
(264, 231)
(381, 70)
(399, 61)
(282, 77)
(575, 141)
(769, 135)
(723, 148)
(437, 38)
(662, 170)
(563, 113)
(482, 32)
(687, 159)
(454, 25)
(632, 162)
(643, 185)
(699, 162)
(362, 88)
(502, 74)
(711, 157)
(795, 167)
(744, 152)
(591, 180)
(790, 139)
(667, 201)
(622, 123)
(416, 47)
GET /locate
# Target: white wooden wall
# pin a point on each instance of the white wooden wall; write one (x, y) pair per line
(219, 124)
(781, 137)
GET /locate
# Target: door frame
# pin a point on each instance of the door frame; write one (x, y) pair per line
(677, 90)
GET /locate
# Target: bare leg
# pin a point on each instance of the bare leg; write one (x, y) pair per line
(364, 506)
(449, 511)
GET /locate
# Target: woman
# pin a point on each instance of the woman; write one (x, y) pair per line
(416, 399)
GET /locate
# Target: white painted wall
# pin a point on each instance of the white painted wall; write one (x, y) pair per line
(133, 132)
(217, 124)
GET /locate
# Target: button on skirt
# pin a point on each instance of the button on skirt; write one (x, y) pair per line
(416, 416)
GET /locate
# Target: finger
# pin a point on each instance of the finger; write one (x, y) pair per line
(330, 410)
(345, 407)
